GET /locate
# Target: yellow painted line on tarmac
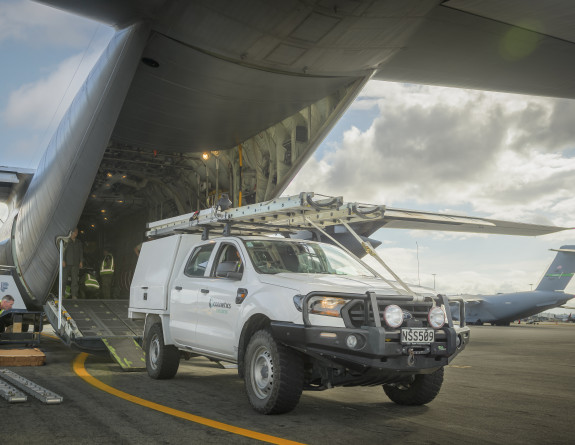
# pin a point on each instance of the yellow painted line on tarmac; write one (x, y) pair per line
(53, 337)
(80, 370)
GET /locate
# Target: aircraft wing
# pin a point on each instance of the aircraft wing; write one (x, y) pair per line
(519, 46)
(367, 219)
(472, 299)
(416, 220)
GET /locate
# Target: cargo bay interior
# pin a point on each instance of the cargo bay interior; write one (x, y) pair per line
(159, 164)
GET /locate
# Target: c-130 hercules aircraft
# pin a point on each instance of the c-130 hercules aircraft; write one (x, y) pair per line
(502, 309)
(254, 86)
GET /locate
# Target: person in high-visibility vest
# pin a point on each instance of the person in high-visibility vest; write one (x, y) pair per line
(91, 285)
(107, 274)
(72, 263)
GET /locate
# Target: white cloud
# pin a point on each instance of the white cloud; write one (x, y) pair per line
(40, 25)
(463, 271)
(42, 103)
(37, 107)
(495, 155)
(502, 155)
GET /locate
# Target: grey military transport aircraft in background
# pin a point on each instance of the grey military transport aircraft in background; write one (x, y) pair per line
(502, 309)
(194, 98)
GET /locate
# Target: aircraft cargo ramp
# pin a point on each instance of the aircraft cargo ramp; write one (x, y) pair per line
(100, 325)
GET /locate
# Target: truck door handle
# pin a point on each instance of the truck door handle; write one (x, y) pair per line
(205, 291)
(178, 288)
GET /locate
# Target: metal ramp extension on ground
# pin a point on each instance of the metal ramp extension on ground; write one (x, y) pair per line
(99, 325)
(13, 388)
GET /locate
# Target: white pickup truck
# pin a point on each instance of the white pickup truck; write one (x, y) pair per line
(292, 315)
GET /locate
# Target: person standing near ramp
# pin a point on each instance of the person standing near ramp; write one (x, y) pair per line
(73, 257)
(107, 274)
(5, 306)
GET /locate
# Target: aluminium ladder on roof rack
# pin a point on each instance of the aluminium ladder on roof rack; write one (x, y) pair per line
(282, 215)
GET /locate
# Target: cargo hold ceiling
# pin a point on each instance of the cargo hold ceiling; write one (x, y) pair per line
(184, 100)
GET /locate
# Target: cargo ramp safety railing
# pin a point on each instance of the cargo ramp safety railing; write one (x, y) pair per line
(86, 322)
(285, 216)
(96, 325)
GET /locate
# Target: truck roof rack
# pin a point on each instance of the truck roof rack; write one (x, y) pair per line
(283, 215)
(308, 211)
(289, 214)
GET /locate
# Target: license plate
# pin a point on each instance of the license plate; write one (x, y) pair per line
(418, 336)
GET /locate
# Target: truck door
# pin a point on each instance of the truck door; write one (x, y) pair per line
(217, 302)
(184, 294)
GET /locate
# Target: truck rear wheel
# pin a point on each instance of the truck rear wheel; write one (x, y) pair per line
(274, 375)
(162, 361)
(422, 389)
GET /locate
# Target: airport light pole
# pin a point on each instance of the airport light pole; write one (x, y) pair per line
(433, 280)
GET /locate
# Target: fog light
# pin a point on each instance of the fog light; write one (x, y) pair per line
(393, 316)
(436, 317)
(351, 341)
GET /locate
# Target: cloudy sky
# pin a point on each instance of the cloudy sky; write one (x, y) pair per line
(428, 148)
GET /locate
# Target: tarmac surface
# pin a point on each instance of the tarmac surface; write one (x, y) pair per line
(511, 385)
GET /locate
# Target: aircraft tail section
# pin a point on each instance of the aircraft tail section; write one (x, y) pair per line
(560, 272)
(53, 201)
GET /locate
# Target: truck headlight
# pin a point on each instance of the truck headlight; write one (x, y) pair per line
(393, 316)
(436, 317)
(329, 306)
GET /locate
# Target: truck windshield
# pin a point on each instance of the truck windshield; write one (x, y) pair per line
(277, 256)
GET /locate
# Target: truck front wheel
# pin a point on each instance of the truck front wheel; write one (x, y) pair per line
(273, 376)
(162, 361)
(419, 390)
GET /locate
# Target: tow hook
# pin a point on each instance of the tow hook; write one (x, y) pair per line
(411, 358)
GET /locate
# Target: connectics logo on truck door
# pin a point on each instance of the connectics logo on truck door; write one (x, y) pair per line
(220, 306)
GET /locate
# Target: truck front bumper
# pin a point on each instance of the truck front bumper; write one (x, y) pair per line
(373, 347)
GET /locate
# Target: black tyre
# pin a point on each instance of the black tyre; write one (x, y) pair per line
(422, 389)
(162, 361)
(273, 375)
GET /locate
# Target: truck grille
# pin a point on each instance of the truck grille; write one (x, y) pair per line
(360, 313)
